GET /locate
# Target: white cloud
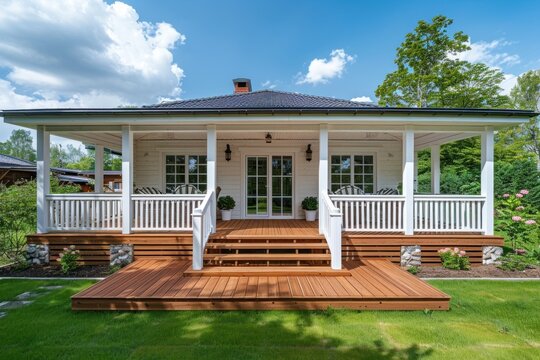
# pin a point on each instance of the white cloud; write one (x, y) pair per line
(489, 54)
(269, 84)
(320, 71)
(84, 53)
(510, 80)
(362, 99)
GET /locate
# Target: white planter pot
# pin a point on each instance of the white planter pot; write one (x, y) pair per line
(226, 215)
(311, 215)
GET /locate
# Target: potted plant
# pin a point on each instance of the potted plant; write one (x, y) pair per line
(226, 204)
(310, 205)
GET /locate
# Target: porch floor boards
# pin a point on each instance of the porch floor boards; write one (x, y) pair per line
(259, 228)
(161, 284)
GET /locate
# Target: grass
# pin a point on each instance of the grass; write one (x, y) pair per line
(488, 320)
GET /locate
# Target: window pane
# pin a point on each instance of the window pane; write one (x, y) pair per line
(252, 166)
(368, 159)
(276, 165)
(287, 186)
(368, 189)
(368, 169)
(287, 166)
(276, 185)
(252, 205)
(276, 206)
(169, 179)
(169, 159)
(261, 206)
(346, 179)
(287, 206)
(336, 160)
(261, 166)
(261, 188)
(252, 186)
(180, 159)
(368, 179)
(180, 179)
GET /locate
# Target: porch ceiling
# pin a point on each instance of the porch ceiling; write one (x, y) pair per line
(113, 140)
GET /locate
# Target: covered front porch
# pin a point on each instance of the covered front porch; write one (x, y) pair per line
(268, 169)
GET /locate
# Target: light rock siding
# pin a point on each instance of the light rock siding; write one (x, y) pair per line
(149, 163)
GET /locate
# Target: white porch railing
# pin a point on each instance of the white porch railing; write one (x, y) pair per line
(84, 211)
(372, 213)
(203, 226)
(330, 219)
(164, 211)
(455, 213)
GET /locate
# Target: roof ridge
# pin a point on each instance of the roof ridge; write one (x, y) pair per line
(206, 98)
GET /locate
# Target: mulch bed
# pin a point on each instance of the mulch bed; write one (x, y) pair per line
(55, 271)
(484, 271)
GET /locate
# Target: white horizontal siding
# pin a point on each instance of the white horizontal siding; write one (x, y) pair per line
(149, 163)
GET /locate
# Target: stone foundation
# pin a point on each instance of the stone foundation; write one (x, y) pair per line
(491, 255)
(121, 255)
(411, 256)
(37, 254)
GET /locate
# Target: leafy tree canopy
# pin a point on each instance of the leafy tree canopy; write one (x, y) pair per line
(429, 73)
(19, 145)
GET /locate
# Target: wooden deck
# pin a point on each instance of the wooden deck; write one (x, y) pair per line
(162, 284)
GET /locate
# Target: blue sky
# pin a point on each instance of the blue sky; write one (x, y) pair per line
(92, 53)
(274, 40)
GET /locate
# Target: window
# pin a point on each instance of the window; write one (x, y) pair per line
(185, 169)
(357, 170)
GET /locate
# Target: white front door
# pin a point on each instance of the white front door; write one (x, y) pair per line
(269, 186)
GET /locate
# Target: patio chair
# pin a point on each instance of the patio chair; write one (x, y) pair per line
(349, 190)
(147, 190)
(186, 189)
(387, 191)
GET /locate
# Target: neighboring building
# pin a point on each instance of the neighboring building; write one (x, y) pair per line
(13, 170)
(269, 150)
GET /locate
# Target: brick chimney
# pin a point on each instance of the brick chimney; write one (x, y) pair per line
(242, 85)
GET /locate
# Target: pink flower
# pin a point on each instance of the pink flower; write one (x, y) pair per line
(516, 218)
(520, 208)
(462, 253)
(506, 196)
(524, 191)
(519, 195)
(530, 222)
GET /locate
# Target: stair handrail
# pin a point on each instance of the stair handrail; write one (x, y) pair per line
(203, 227)
(330, 218)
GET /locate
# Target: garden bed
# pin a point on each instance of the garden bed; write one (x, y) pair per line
(484, 271)
(55, 271)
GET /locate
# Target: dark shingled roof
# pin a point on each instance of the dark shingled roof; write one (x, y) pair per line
(9, 161)
(264, 99)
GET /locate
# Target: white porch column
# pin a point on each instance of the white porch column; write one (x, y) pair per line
(436, 169)
(323, 163)
(211, 158)
(98, 169)
(408, 181)
(43, 178)
(127, 178)
(487, 175)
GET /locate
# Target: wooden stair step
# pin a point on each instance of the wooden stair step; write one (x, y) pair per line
(267, 271)
(218, 236)
(265, 257)
(269, 246)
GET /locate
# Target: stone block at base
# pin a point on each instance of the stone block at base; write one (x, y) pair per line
(491, 255)
(121, 255)
(37, 254)
(411, 256)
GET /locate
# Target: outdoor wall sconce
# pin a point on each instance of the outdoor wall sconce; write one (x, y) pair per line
(309, 153)
(228, 153)
(268, 138)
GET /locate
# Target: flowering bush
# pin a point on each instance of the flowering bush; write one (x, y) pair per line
(68, 259)
(454, 259)
(518, 221)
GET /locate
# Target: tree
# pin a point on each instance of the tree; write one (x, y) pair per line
(20, 145)
(526, 95)
(429, 73)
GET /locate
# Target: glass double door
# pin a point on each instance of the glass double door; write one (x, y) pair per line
(269, 186)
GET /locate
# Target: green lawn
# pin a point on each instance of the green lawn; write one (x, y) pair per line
(488, 320)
